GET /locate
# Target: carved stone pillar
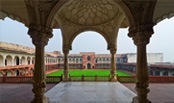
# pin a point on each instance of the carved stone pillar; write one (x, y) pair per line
(66, 49)
(40, 37)
(113, 64)
(141, 36)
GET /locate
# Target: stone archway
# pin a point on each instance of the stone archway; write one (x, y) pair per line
(88, 65)
(28, 60)
(165, 73)
(8, 60)
(17, 60)
(33, 60)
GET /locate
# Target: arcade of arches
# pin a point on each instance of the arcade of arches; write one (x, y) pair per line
(18, 60)
(76, 16)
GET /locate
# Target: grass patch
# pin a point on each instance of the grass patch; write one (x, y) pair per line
(76, 72)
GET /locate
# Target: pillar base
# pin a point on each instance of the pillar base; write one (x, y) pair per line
(65, 79)
(41, 100)
(135, 100)
(114, 79)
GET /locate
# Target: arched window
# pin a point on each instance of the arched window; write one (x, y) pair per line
(88, 58)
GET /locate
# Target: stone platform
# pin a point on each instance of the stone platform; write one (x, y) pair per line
(90, 92)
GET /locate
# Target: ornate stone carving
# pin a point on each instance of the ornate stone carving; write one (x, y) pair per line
(40, 35)
(39, 10)
(142, 11)
(90, 12)
(108, 30)
(66, 49)
(141, 34)
(113, 50)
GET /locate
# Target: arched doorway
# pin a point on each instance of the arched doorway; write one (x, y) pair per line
(88, 58)
(16, 60)
(28, 60)
(8, 60)
(88, 66)
(165, 73)
(33, 60)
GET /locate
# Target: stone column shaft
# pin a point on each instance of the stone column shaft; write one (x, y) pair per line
(66, 49)
(113, 65)
(3, 64)
(66, 67)
(39, 76)
(40, 36)
(142, 74)
(141, 36)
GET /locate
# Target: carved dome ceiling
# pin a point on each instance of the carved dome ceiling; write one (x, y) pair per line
(90, 12)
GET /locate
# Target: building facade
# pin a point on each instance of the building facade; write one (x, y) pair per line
(91, 60)
(18, 60)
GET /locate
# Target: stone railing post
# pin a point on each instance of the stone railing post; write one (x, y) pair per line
(141, 36)
(83, 77)
(40, 36)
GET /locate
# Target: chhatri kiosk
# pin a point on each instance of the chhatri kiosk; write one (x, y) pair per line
(75, 16)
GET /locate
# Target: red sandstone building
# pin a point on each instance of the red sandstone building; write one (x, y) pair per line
(90, 60)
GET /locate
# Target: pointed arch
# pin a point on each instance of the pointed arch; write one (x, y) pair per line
(75, 34)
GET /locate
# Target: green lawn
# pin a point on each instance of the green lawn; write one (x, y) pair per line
(88, 73)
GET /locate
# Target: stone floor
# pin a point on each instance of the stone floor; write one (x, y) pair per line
(18, 93)
(159, 92)
(90, 92)
(21, 93)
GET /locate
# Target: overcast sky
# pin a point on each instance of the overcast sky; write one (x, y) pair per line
(162, 40)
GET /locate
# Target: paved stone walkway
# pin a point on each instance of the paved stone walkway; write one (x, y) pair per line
(18, 93)
(159, 92)
(90, 92)
(21, 93)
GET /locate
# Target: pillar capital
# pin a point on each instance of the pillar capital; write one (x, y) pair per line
(66, 49)
(39, 34)
(141, 33)
(112, 48)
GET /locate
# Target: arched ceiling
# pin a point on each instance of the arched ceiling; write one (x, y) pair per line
(17, 10)
(90, 12)
(164, 9)
(14, 9)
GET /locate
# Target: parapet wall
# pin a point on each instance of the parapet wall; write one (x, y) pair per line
(16, 47)
(151, 57)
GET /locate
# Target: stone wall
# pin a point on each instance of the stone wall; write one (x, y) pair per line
(151, 57)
